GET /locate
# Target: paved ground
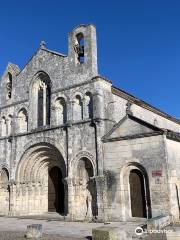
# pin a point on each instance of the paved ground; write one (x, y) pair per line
(65, 229)
(16, 227)
(20, 236)
(12, 228)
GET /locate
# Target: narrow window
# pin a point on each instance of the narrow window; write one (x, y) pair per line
(78, 108)
(48, 104)
(61, 112)
(3, 127)
(155, 122)
(40, 106)
(79, 47)
(89, 105)
(9, 125)
(22, 121)
(9, 86)
(44, 97)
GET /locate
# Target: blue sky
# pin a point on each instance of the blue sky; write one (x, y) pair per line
(138, 41)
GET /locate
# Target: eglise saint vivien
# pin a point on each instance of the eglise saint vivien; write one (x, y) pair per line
(72, 143)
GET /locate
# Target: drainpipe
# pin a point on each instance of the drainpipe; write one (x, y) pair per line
(93, 124)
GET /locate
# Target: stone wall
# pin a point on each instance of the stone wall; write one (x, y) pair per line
(146, 153)
(173, 162)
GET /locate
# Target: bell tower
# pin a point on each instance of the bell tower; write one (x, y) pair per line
(82, 51)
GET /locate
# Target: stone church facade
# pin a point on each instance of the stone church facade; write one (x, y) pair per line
(72, 143)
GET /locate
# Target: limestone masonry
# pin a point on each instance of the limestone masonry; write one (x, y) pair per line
(72, 143)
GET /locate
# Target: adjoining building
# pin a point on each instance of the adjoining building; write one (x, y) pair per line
(72, 143)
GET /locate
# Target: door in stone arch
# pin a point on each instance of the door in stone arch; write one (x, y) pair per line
(4, 191)
(55, 191)
(137, 194)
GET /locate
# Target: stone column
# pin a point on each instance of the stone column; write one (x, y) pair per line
(26, 199)
(12, 199)
(98, 105)
(101, 185)
(70, 197)
(85, 109)
(73, 117)
(69, 110)
(44, 104)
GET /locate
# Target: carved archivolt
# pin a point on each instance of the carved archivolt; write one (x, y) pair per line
(37, 160)
(78, 157)
(36, 141)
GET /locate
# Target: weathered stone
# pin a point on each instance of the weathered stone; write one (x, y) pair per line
(105, 233)
(173, 235)
(158, 222)
(34, 231)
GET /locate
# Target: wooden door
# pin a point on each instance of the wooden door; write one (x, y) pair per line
(137, 194)
(55, 191)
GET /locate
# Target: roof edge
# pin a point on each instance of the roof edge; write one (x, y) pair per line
(119, 92)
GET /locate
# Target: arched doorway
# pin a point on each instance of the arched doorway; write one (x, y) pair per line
(4, 191)
(4, 176)
(40, 174)
(137, 194)
(85, 191)
(55, 191)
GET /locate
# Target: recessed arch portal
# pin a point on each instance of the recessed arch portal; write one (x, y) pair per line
(39, 169)
(4, 176)
(4, 191)
(85, 190)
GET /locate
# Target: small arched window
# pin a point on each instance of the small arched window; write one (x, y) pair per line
(9, 86)
(3, 127)
(61, 111)
(22, 121)
(79, 47)
(89, 105)
(155, 122)
(78, 108)
(41, 99)
(9, 125)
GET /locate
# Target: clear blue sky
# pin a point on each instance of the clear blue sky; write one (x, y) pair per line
(138, 41)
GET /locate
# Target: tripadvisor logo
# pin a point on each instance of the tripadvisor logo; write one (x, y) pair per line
(139, 231)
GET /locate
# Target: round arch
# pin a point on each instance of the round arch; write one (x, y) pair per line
(38, 141)
(75, 161)
(4, 175)
(126, 184)
(42, 171)
(4, 191)
(74, 94)
(40, 95)
(85, 190)
(37, 158)
(43, 75)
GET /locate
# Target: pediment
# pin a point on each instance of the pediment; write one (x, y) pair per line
(12, 68)
(131, 127)
(40, 60)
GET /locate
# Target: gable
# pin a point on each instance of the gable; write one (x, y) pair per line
(131, 127)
